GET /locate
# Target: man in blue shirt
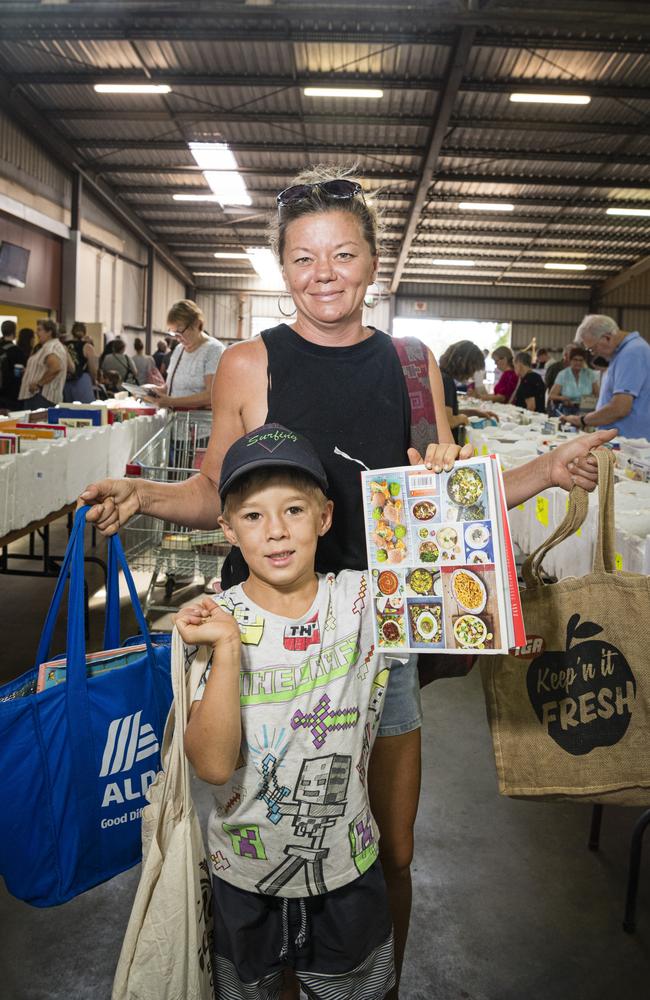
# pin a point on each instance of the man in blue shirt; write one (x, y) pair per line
(624, 400)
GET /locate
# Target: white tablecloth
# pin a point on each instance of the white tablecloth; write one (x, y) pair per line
(536, 519)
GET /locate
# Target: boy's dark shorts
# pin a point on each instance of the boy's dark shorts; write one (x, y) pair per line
(347, 953)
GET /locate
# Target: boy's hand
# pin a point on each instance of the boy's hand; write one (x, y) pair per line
(206, 623)
(440, 456)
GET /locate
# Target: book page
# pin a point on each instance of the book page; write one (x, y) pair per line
(437, 571)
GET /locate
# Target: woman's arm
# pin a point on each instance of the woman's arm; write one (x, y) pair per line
(555, 393)
(52, 368)
(213, 734)
(530, 403)
(196, 401)
(455, 420)
(91, 358)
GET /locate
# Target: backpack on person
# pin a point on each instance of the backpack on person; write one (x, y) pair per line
(5, 374)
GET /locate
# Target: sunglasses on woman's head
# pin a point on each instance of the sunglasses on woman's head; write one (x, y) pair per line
(336, 189)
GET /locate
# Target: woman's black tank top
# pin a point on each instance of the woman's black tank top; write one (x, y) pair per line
(352, 404)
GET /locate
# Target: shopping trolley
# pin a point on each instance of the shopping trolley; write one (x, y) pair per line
(171, 553)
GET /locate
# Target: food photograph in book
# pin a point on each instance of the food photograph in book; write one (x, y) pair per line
(464, 495)
(472, 607)
(388, 531)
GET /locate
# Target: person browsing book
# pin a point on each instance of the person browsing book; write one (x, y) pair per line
(192, 367)
(297, 880)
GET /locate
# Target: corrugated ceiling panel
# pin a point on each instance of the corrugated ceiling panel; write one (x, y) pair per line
(555, 64)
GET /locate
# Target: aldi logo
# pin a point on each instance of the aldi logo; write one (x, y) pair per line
(128, 741)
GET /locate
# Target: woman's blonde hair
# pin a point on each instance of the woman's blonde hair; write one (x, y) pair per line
(185, 312)
(503, 352)
(364, 211)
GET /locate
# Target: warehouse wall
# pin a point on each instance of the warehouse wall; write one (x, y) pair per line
(167, 289)
(30, 175)
(43, 285)
(629, 305)
(551, 316)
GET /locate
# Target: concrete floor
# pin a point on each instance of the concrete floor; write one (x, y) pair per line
(508, 903)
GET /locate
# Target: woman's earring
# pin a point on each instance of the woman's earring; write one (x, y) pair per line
(281, 310)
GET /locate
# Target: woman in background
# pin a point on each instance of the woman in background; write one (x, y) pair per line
(573, 383)
(458, 364)
(79, 386)
(193, 364)
(116, 360)
(506, 385)
(144, 363)
(46, 369)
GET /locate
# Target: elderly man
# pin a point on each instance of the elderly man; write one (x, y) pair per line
(624, 400)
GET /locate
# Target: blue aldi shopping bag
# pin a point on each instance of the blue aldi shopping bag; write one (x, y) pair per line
(76, 759)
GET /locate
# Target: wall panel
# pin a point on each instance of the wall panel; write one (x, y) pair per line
(167, 289)
(43, 286)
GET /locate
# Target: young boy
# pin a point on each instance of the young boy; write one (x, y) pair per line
(284, 724)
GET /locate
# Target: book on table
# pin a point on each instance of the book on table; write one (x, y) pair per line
(441, 562)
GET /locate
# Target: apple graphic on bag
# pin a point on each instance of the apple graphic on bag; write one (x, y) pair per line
(583, 696)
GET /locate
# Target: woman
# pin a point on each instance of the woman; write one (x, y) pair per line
(144, 363)
(342, 385)
(506, 385)
(79, 386)
(46, 369)
(530, 393)
(114, 359)
(193, 364)
(573, 383)
(459, 364)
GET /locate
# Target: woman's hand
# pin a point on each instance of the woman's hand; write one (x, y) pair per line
(573, 420)
(440, 457)
(159, 399)
(34, 387)
(206, 624)
(113, 502)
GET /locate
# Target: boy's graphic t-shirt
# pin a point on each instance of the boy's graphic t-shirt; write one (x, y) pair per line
(294, 819)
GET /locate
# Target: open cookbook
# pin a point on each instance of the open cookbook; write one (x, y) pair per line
(441, 562)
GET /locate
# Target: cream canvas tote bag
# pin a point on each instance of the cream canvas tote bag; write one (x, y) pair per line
(166, 954)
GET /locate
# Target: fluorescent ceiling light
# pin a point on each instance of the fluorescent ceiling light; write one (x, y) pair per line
(341, 92)
(550, 98)
(264, 262)
(214, 274)
(628, 211)
(486, 206)
(132, 88)
(228, 255)
(565, 267)
(445, 262)
(195, 197)
(221, 172)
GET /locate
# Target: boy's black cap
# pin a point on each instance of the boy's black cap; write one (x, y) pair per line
(267, 446)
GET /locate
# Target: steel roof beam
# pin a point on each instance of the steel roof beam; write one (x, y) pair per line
(593, 88)
(359, 148)
(392, 121)
(272, 171)
(525, 180)
(457, 64)
(180, 145)
(542, 155)
(308, 22)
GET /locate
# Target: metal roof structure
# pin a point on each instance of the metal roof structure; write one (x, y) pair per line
(444, 132)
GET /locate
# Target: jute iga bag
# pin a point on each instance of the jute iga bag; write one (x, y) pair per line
(166, 954)
(76, 758)
(569, 712)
